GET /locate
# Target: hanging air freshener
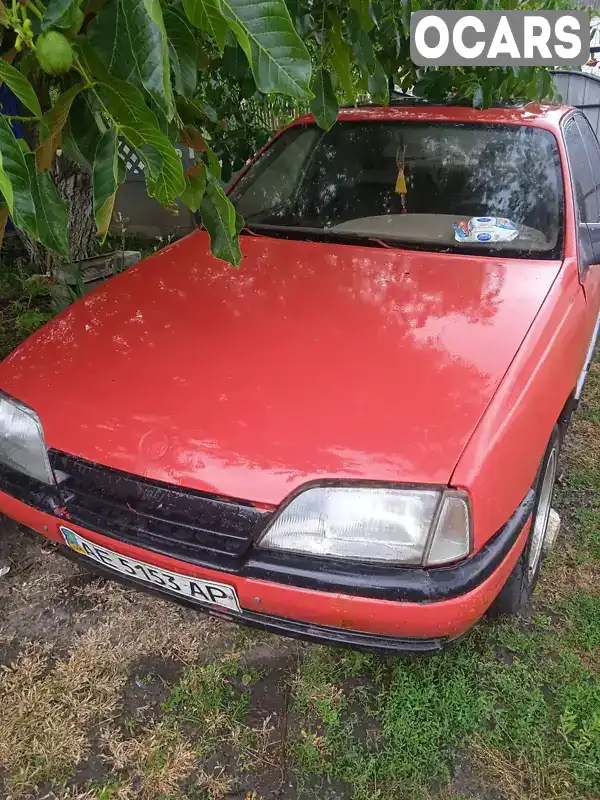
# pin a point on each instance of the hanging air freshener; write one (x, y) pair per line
(400, 187)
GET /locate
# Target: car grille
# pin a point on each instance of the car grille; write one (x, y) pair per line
(194, 526)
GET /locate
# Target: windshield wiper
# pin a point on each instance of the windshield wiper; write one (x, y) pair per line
(316, 234)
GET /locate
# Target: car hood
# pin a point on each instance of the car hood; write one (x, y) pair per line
(310, 361)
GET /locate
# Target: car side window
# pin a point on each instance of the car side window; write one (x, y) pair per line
(273, 186)
(584, 181)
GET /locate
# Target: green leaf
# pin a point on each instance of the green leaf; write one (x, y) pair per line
(406, 12)
(92, 59)
(183, 49)
(208, 111)
(195, 186)
(126, 103)
(426, 84)
(379, 87)
(197, 108)
(207, 16)
(364, 52)
(52, 125)
(28, 63)
(150, 46)
(71, 149)
(51, 211)
(341, 61)
(362, 82)
(377, 81)
(214, 164)
(488, 94)
(239, 223)
(219, 219)
(105, 179)
(324, 105)
(81, 134)
(389, 39)
(6, 186)
(170, 129)
(130, 37)
(362, 9)
(278, 57)
(548, 90)
(164, 171)
(19, 85)
(37, 208)
(15, 168)
(55, 12)
(235, 62)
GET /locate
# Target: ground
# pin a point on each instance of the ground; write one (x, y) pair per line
(110, 694)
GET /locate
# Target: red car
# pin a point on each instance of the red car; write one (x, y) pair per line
(352, 438)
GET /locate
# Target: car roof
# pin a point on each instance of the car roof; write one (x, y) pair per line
(533, 114)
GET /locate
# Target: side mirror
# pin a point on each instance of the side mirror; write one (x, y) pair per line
(589, 243)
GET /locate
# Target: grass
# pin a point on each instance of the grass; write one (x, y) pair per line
(25, 305)
(55, 708)
(124, 696)
(510, 691)
(156, 761)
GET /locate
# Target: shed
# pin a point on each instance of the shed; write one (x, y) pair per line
(580, 89)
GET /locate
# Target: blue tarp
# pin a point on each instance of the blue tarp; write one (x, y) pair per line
(10, 105)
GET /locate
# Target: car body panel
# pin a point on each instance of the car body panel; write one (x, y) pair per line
(501, 460)
(448, 618)
(239, 383)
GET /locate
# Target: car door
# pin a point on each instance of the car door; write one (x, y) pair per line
(583, 152)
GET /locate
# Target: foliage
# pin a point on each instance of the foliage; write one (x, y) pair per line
(29, 320)
(25, 304)
(156, 72)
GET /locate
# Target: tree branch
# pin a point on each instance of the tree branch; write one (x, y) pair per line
(32, 7)
(21, 119)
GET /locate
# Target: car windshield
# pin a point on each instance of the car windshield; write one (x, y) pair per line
(411, 185)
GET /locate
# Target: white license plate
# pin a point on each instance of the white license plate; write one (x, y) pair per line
(213, 594)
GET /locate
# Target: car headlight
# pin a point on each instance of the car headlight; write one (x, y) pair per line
(383, 524)
(22, 444)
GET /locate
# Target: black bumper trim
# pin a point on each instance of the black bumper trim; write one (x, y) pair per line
(320, 634)
(408, 584)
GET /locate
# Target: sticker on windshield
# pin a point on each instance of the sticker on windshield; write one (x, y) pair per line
(485, 230)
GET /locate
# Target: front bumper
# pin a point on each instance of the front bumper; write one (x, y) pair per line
(321, 634)
(326, 614)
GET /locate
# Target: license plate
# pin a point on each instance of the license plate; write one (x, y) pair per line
(213, 594)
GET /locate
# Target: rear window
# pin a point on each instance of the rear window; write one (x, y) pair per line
(345, 184)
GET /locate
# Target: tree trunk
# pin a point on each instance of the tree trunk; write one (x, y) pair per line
(75, 187)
